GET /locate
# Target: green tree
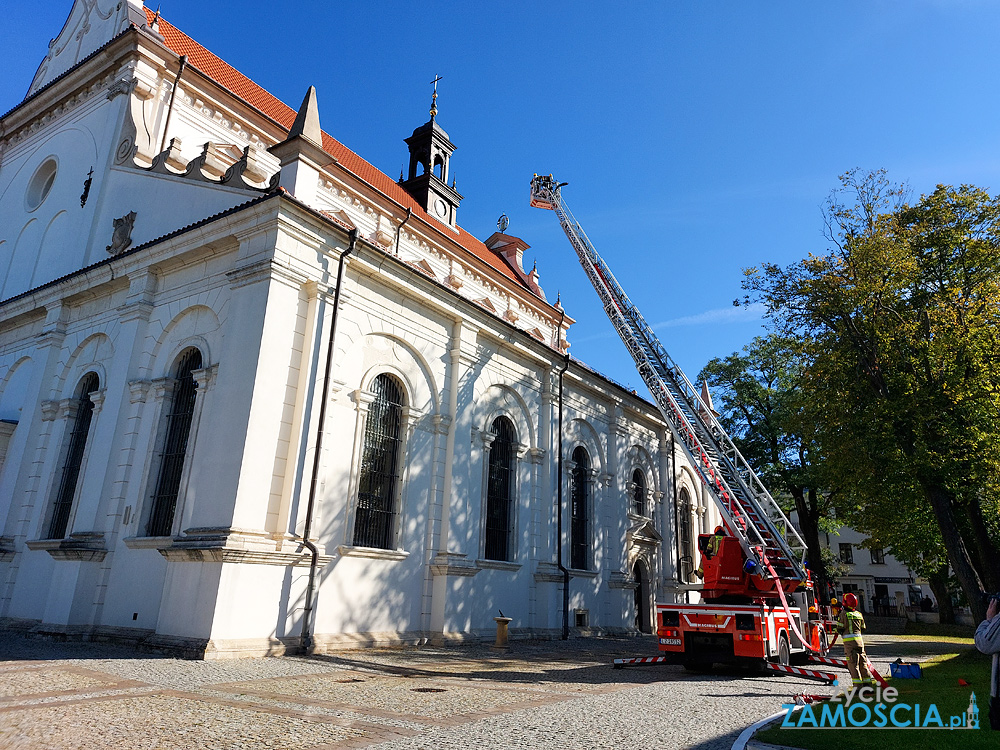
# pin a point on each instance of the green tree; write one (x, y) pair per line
(765, 410)
(900, 319)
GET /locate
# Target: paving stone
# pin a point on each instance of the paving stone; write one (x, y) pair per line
(163, 721)
(14, 683)
(540, 695)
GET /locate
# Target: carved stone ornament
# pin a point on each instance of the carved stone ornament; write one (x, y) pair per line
(121, 238)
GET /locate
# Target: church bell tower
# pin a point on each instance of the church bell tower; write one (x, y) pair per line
(429, 172)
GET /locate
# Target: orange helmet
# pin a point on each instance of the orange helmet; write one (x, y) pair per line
(850, 601)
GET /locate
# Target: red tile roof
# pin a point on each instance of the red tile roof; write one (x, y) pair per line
(229, 78)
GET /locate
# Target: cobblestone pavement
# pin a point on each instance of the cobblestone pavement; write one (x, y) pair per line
(539, 695)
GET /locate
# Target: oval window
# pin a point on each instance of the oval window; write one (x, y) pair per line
(41, 184)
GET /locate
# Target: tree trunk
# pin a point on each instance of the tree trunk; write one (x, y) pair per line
(984, 552)
(808, 513)
(941, 501)
(939, 585)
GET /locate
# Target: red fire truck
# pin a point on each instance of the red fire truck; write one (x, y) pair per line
(742, 619)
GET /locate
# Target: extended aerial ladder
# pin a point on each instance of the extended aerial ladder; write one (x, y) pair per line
(774, 551)
(742, 613)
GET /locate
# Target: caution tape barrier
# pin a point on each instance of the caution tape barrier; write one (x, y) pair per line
(812, 674)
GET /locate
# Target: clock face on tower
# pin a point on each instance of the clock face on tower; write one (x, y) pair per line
(440, 208)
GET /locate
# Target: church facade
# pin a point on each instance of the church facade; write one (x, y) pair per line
(257, 395)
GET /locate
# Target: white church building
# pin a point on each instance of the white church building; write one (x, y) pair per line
(256, 395)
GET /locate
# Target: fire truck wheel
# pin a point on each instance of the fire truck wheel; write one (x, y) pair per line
(784, 652)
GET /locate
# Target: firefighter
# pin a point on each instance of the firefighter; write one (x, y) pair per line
(712, 547)
(850, 623)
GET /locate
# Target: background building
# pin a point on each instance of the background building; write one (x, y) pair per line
(181, 462)
(883, 585)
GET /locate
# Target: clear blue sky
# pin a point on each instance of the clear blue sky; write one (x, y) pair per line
(697, 138)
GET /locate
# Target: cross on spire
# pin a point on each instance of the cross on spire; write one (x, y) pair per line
(434, 97)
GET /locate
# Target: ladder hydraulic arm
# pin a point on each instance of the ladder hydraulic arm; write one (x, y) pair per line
(773, 548)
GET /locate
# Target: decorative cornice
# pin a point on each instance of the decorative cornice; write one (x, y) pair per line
(547, 572)
(234, 546)
(55, 111)
(453, 564)
(644, 533)
(498, 565)
(81, 546)
(372, 553)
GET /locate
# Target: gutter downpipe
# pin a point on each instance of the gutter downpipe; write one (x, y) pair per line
(559, 484)
(306, 640)
(170, 106)
(409, 213)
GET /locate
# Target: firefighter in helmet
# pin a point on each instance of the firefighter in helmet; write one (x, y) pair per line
(712, 547)
(850, 623)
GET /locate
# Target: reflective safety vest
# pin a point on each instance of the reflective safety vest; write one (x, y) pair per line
(851, 624)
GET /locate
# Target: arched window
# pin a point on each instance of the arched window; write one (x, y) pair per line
(439, 168)
(375, 519)
(638, 493)
(176, 431)
(82, 413)
(501, 484)
(685, 550)
(580, 510)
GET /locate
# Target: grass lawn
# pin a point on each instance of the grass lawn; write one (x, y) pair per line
(939, 685)
(938, 632)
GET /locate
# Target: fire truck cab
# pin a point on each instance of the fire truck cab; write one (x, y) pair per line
(741, 619)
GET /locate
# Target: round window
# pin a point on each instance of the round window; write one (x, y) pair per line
(41, 184)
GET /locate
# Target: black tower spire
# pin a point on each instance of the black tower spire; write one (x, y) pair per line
(427, 181)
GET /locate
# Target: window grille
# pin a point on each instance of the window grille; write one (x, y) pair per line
(684, 545)
(177, 430)
(375, 519)
(638, 493)
(579, 511)
(501, 484)
(76, 444)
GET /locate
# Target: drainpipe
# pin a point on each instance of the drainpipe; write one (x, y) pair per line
(559, 502)
(170, 106)
(409, 213)
(306, 641)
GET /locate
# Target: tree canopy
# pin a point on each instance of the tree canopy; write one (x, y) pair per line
(767, 413)
(898, 321)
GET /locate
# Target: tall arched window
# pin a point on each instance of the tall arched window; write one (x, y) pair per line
(638, 493)
(176, 431)
(580, 511)
(685, 550)
(82, 413)
(375, 519)
(501, 483)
